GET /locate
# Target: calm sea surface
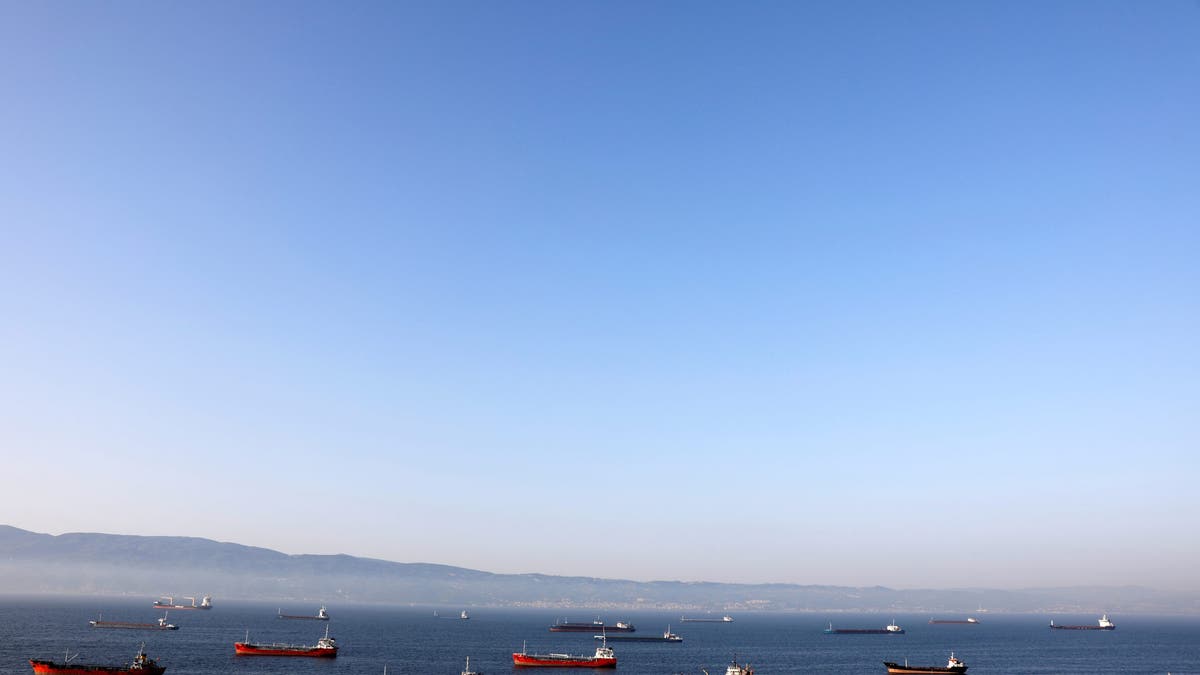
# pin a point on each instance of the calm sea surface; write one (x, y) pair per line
(412, 640)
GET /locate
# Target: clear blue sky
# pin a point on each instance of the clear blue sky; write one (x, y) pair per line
(757, 291)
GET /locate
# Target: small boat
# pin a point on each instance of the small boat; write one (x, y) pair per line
(890, 629)
(603, 658)
(667, 636)
(1102, 624)
(322, 615)
(969, 620)
(205, 603)
(952, 666)
(467, 670)
(591, 627)
(464, 616)
(142, 665)
(724, 619)
(326, 647)
(161, 625)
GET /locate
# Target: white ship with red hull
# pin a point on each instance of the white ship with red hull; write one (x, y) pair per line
(952, 666)
(603, 658)
(142, 665)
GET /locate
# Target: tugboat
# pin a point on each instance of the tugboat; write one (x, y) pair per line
(142, 665)
(591, 627)
(952, 666)
(326, 647)
(322, 615)
(603, 658)
(205, 603)
(890, 629)
(161, 625)
(1102, 624)
(667, 636)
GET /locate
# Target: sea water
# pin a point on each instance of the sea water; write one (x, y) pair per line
(414, 640)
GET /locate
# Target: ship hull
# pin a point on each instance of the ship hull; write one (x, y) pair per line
(178, 607)
(588, 628)
(557, 661)
(131, 626)
(246, 649)
(863, 631)
(899, 669)
(636, 638)
(50, 667)
(303, 618)
(1083, 627)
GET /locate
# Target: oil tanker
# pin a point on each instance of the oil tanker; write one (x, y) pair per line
(142, 665)
(603, 658)
(724, 619)
(205, 603)
(326, 647)
(953, 666)
(591, 627)
(667, 636)
(161, 625)
(890, 629)
(321, 615)
(1102, 624)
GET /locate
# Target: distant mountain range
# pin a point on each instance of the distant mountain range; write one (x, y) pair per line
(109, 564)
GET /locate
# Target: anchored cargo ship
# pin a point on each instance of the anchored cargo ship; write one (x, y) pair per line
(142, 665)
(321, 615)
(591, 627)
(326, 647)
(1102, 624)
(724, 619)
(667, 636)
(205, 603)
(952, 666)
(603, 658)
(968, 620)
(161, 625)
(890, 629)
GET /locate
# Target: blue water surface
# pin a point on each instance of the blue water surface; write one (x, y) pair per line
(413, 640)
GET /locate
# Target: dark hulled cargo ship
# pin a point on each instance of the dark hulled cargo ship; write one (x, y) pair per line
(326, 647)
(591, 627)
(890, 629)
(1102, 624)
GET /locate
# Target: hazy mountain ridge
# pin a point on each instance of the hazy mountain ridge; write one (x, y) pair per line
(150, 566)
